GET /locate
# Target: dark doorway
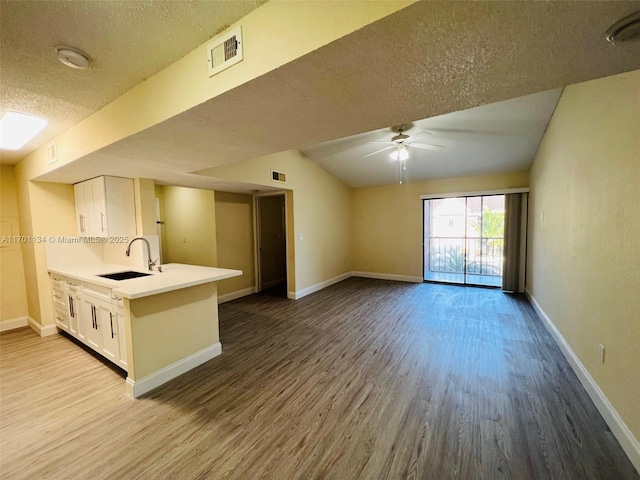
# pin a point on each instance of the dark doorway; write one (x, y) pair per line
(272, 244)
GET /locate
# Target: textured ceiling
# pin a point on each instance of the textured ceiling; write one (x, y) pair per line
(426, 60)
(495, 138)
(128, 42)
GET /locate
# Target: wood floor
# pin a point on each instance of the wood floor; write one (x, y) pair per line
(366, 379)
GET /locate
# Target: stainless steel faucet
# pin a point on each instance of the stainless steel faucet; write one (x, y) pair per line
(151, 262)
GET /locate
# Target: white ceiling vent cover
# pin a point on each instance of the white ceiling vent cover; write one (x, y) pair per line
(52, 153)
(224, 50)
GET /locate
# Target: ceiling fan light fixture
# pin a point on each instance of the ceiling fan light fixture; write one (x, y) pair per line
(72, 57)
(401, 153)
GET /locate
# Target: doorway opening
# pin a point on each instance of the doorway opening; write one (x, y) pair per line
(271, 240)
(464, 240)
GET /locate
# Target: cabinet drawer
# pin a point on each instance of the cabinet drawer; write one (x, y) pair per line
(59, 299)
(72, 285)
(62, 319)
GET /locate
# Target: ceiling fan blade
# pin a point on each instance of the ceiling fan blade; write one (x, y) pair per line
(425, 146)
(421, 132)
(378, 151)
(387, 142)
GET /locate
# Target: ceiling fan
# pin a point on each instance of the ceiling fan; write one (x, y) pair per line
(401, 141)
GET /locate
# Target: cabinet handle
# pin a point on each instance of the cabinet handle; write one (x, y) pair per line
(102, 220)
(71, 312)
(111, 321)
(93, 315)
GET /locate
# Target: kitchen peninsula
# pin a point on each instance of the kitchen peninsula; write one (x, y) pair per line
(156, 327)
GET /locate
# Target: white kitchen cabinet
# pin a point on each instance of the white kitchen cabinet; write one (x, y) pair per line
(60, 303)
(74, 305)
(97, 307)
(101, 328)
(92, 317)
(105, 207)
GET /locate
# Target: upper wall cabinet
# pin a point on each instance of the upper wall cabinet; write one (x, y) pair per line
(105, 207)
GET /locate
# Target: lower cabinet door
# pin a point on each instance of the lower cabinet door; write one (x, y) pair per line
(91, 322)
(76, 317)
(109, 324)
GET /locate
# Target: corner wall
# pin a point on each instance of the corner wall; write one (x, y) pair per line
(13, 293)
(387, 221)
(45, 209)
(319, 216)
(189, 231)
(584, 234)
(234, 237)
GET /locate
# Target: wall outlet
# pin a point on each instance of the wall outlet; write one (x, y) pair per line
(602, 353)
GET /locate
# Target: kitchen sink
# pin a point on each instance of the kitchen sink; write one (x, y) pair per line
(124, 275)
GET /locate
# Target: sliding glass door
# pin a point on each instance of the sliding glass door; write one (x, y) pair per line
(464, 240)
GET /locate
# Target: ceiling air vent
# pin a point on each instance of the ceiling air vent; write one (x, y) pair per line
(278, 176)
(224, 50)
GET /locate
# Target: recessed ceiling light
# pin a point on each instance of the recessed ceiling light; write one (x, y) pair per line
(626, 29)
(72, 57)
(16, 129)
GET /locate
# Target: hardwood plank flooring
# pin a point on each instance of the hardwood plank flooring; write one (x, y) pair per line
(366, 379)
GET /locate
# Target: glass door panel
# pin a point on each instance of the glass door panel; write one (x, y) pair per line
(463, 240)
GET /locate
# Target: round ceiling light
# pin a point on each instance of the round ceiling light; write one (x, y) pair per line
(625, 30)
(72, 57)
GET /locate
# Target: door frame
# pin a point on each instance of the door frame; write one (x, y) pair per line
(256, 237)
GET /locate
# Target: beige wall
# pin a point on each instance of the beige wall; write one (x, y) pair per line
(387, 221)
(319, 210)
(189, 234)
(144, 193)
(584, 262)
(234, 238)
(156, 340)
(13, 293)
(45, 209)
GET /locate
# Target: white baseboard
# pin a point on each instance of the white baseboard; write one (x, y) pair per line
(42, 330)
(14, 323)
(227, 297)
(136, 388)
(327, 283)
(317, 287)
(620, 430)
(388, 276)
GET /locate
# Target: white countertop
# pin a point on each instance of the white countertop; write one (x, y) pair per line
(174, 276)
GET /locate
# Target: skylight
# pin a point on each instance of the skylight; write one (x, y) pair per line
(16, 129)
